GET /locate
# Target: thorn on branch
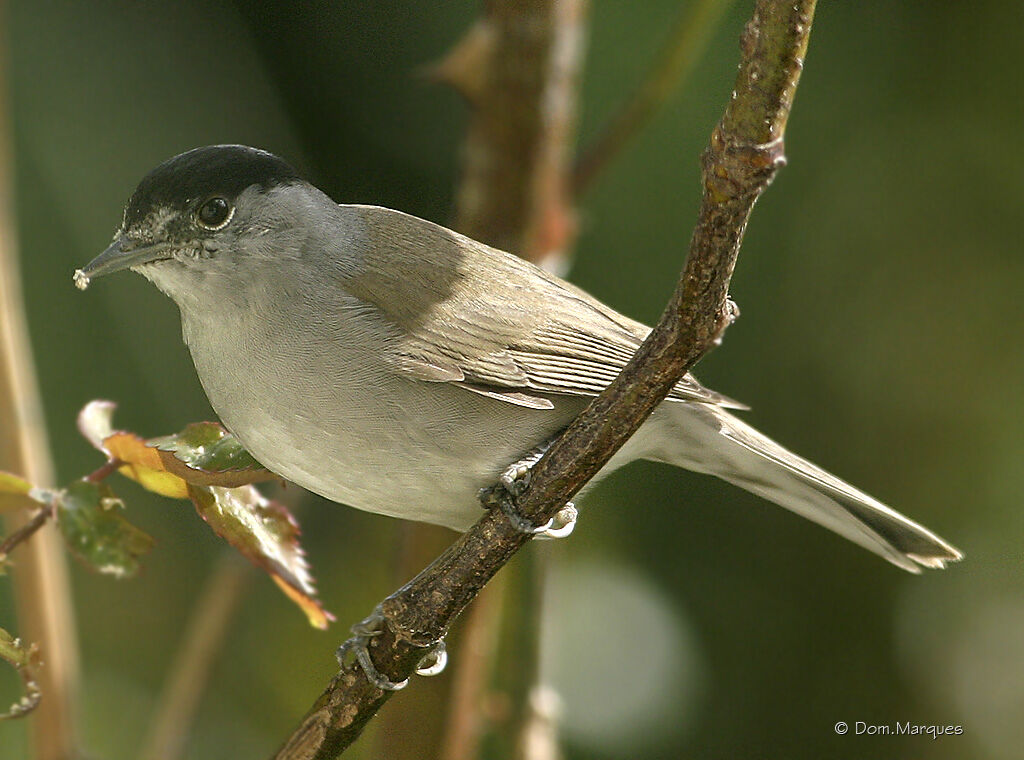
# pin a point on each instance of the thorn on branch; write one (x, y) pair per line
(729, 314)
(464, 67)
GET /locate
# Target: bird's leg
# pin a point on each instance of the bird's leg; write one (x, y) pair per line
(431, 664)
(511, 484)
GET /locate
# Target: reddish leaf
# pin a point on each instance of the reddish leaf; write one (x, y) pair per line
(207, 464)
(266, 533)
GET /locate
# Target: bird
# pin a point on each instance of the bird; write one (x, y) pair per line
(390, 364)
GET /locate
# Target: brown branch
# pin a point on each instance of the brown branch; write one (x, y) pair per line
(104, 471)
(513, 189)
(745, 151)
(41, 584)
(25, 531)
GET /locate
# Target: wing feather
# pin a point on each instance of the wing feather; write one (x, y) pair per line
(491, 322)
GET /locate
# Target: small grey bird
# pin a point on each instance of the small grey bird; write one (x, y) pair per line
(393, 365)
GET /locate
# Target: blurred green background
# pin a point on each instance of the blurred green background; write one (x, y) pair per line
(881, 285)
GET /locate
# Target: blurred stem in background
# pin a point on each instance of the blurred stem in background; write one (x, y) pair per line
(513, 194)
(189, 672)
(40, 579)
(519, 67)
(687, 42)
(410, 728)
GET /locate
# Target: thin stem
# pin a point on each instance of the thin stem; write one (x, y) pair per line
(401, 733)
(512, 193)
(467, 707)
(41, 584)
(25, 531)
(105, 471)
(204, 636)
(686, 43)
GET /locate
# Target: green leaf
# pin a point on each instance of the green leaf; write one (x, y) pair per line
(265, 532)
(209, 447)
(24, 659)
(89, 517)
(203, 462)
(15, 493)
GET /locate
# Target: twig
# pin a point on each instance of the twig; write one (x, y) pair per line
(469, 682)
(688, 39)
(104, 471)
(41, 585)
(204, 635)
(745, 151)
(25, 531)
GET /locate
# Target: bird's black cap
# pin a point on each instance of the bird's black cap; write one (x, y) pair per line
(216, 169)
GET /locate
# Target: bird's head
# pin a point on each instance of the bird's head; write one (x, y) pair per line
(197, 215)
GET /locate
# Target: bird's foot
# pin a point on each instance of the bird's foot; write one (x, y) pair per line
(364, 631)
(512, 483)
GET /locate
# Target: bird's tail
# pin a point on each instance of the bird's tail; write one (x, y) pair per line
(706, 438)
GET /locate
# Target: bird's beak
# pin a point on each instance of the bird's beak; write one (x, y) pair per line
(121, 254)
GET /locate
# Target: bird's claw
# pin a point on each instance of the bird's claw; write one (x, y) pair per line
(511, 484)
(432, 663)
(562, 524)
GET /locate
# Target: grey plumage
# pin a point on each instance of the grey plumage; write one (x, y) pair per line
(396, 366)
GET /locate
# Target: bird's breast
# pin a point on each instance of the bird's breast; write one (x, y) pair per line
(322, 408)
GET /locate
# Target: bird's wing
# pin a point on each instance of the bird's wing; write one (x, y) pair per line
(490, 322)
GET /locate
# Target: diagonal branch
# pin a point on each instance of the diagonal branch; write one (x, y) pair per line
(745, 151)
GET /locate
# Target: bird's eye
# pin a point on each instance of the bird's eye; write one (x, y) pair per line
(214, 214)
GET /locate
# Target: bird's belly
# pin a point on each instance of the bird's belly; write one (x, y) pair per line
(386, 475)
(383, 443)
